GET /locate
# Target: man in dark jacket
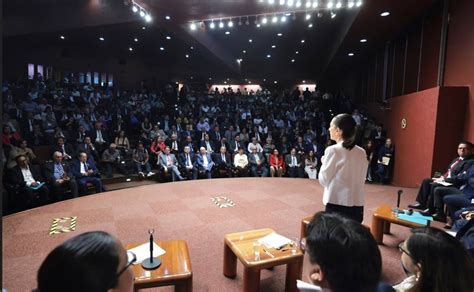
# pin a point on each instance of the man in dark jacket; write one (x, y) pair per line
(59, 176)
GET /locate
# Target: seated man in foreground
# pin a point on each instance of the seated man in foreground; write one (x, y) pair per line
(59, 175)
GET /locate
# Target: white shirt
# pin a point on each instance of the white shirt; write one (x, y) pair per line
(258, 146)
(99, 137)
(27, 176)
(83, 169)
(342, 175)
(205, 163)
(241, 160)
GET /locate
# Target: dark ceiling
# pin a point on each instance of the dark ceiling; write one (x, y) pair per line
(211, 53)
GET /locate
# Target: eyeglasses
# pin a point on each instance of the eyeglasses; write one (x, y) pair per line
(402, 249)
(131, 259)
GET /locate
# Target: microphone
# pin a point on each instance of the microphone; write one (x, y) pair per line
(400, 192)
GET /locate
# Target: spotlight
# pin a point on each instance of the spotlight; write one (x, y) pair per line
(134, 9)
(282, 2)
(275, 19)
(350, 4)
(258, 24)
(230, 23)
(264, 20)
(167, 17)
(363, 40)
(310, 25)
(308, 16)
(386, 13)
(148, 18)
(250, 40)
(297, 52)
(192, 26)
(101, 39)
(338, 5)
(143, 27)
(62, 37)
(244, 52)
(279, 34)
(142, 13)
(135, 39)
(269, 56)
(333, 15)
(221, 24)
(308, 4)
(271, 1)
(275, 82)
(315, 4)
(298, 4)
(227, 32)
(192, 48)
(302, 41)
(162, 49)
(283, 18)
(330, 4)
(292, 60)
(212, 25)
(273, 46)
(290, 3)
(168, 37)
(350, 54)
(359, 3)
(187, 56)
(130, 49)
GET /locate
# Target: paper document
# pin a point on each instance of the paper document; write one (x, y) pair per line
(142, 252)
(274, 240)
(446, 184)
(303, 286)
(385, 160)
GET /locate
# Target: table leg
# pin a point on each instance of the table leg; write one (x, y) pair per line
(230, 262)
(303, 230)
(251, 280)
(293, 273)
(184, 285)
(386, 227)
(377, 229)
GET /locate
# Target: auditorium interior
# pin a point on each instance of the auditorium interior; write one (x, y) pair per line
(209, 128)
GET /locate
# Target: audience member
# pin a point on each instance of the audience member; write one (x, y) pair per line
(457, 199)
(141, 159)
(277, 164)
(204, 162)
(92, 261)
(89, 148)
(187, 162)
(310, 163)
(85, 171)
(257, 163)
(123, 145)
(111, 159)
(385, 162)
(223, 161)
(65, 148)
(60, 177)
(293, 164)
(435, 261)
(22, 150)
(343, 170)
(169, 163)
(241, 162)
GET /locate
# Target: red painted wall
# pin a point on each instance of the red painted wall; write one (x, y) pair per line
(460, 56)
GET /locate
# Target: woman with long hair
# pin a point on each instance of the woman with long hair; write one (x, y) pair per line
(343, 170)
(310, 163)
(277, 164)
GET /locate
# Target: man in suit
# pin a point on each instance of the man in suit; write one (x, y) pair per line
(293, 162)
(187, 162)
(457, 166)
(59, 176)
(189, 142)
(89, 148)
(208, 144)
(216, 135)
(187, 133)
(65, 149)
(223, 161)
(80, 135)
(27, 180)
(257, 162)
(169, 163)
(174, 144)
(235, 144)
(85, 171)
(204, 162)
(99, 137)
(28, 125)
(222, 143)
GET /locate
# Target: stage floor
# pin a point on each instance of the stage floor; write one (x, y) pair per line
(184, 210)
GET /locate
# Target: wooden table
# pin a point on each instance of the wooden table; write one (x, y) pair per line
(240, 245)
(381, 220)
(175, 268)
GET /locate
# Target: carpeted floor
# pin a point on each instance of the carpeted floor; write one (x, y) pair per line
(184, 211)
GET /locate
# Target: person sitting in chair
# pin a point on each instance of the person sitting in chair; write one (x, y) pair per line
(257, 163)
(86, 172)
(187, 161)
(223, 161)
(60, 177)
(169, 164)
(204, 162)
(241, 162)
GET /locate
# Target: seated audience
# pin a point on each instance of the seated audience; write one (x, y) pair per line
(293, 164)
(235, 144)
(99, 137)
(341, 255)
(458, 199)
(37, 138)
(223, 161)
(277, 164)
(204, 162)
(111, 159)
(268, 148)
(141, 158)
(65, 148)
(187, 162)
(169, 163)
(123, 145)
(310, 163)
(385, 160)
(85, 171)
(254, 144)
(174, 144)
(257, 163)
(28, 182)
(92, 261)
(89, 148)
(460, 164)
(9, 137)
(371, 159)
(435, 261)
(22, 150)
(60, 177)
(241, 163)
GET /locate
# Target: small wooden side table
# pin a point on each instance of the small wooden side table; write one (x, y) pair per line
(240, 245)
(175, 268)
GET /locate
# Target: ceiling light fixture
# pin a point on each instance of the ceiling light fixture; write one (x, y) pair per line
(269, 56)
(308, 16)
(386, 13)
(134, 9)
(143, 27)
(135, 39)
(333, 15)
(283, 18)
(363, 40)
(230, 23)
(192, 26)
(310, 25)
(168, 37)
(187, 56)
(148, 18)
(315, 4)
(130, 49)
(302, 41)
(101, 39)
(273, 46)
(330, 4)
(275, 82)
(350, 4)
(350, 54)
(271, 2)
(282, 2)
(292, 60)
(298, 4)
(297, 52)
(62, 37)
(359, 3)
(250, 40)
(221, 24)
(227, 32)
(279, 34)
(308, 4)
(290, 3)
(275, 19)
(338, 5)
(212, 25)
(244, 52)
(192, 48)
(167, 17)
(162, 49)
(142, 13)
(264, 20)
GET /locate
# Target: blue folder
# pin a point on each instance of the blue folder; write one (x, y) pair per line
(416, 217)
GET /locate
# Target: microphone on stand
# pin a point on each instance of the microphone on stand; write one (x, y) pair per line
(151, 263)
(396, 211)
(400, 192)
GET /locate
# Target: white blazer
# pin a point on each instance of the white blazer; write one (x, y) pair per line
(343, 174)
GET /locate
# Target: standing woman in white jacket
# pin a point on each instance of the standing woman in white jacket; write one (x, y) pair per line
(343, 170)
